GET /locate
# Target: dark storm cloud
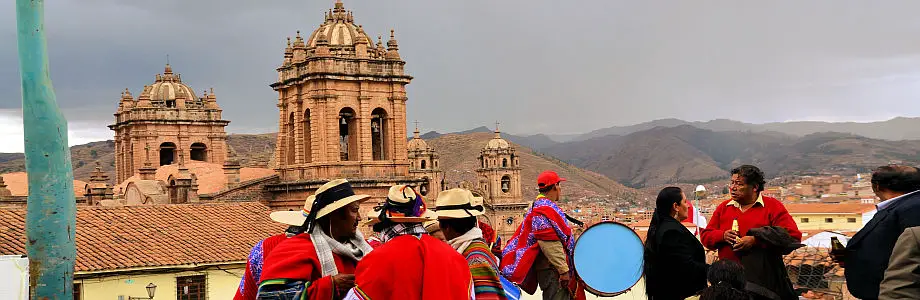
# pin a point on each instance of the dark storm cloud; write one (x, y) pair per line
(537, 66)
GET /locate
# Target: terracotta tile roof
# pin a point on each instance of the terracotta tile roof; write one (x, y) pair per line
(829, 208)
(210, 176)
(114, 238)
(18, 184)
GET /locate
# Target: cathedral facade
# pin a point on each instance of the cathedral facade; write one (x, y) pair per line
(342, 112)
(167, 122)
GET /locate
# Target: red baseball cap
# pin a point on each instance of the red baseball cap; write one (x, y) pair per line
(548, 178)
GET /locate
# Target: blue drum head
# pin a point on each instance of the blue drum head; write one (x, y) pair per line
(608, 258)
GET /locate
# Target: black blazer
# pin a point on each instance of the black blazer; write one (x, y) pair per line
(868, 251)
(676, 266)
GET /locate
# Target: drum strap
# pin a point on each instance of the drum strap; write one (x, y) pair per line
(574, 220)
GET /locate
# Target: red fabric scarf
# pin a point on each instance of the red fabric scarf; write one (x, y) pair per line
(411, 268)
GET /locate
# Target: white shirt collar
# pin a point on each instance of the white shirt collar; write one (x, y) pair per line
(891, 201)
(738, 205)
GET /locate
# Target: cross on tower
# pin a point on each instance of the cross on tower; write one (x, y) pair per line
(496, 126)
(416, 125)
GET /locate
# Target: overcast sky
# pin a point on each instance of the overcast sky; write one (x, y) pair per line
(537, 66)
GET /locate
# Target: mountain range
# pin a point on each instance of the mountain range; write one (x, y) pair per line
(895, 129)
(689, 154)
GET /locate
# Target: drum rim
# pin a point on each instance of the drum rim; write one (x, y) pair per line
(589, 288)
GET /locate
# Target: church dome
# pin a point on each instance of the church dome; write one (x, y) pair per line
(339, 29)
(417, 144)
(168, 86)
(498, 142)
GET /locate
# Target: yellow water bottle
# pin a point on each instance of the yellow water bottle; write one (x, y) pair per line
(736, 230)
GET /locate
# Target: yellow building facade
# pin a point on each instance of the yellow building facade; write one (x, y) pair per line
(217, 282)
(831, 216)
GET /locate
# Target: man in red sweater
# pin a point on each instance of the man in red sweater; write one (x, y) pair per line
(750, 209)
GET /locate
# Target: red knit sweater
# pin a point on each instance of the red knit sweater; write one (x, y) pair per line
(771, 213)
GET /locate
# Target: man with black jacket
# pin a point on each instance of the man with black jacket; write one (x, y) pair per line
(866, 255)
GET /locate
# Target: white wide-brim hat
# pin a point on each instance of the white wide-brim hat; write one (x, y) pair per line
(294, 217)
(458, 203)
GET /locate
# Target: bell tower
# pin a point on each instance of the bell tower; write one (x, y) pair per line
(424, 163)
(342, 111)
(499, 175)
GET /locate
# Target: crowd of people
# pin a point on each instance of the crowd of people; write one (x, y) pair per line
(446, 252)
(752, 233)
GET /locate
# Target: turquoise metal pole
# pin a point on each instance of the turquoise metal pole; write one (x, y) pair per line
(50, 220)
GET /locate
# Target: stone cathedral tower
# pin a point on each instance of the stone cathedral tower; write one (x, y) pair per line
(342, 112)
(500, 179)
(424, 163)
(167, 122)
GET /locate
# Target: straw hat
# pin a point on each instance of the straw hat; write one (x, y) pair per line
(333, 195)
(294, 217)
(433, 225)
(403, 205)
(458, 203)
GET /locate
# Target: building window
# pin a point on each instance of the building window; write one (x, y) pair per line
(191, 288)
(851, 220)
(379, 134)
(423, 188)
(348, 136)
(167, 153)
(199, 152)
(828, 220)
(504, 162)
(804, 220)
(291, 141)
(77, 291)
(506, 184)
(307, 138)
(424, 164)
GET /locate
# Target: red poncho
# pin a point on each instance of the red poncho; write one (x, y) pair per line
(411, 268)
(296, 259)
(544, 222)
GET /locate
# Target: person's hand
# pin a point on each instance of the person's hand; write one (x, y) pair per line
(744, 243)
(730, 236)
(564, 279)
(343, 283)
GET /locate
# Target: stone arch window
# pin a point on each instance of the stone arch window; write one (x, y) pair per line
(435, 163)
(379, 134)
(290, 148)
(167, 153)
(348, 135)
(506, 184)
(504, 162)
(307, 138)
(423, 164)
(423, 188)
(199, 152)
